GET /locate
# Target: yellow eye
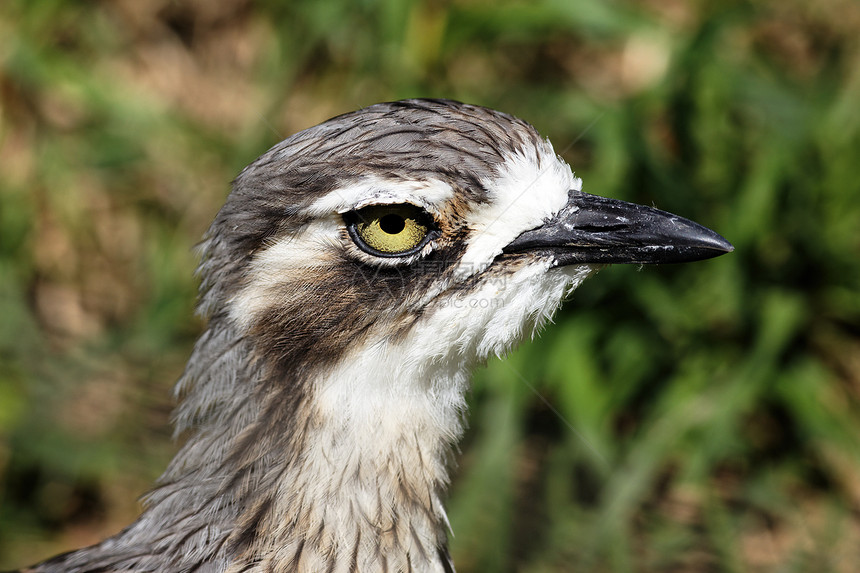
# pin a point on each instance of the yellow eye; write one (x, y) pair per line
(390, 230)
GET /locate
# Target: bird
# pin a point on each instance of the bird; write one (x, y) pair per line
(357, 273)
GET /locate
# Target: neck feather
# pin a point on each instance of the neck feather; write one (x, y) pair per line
(339, 471)
(342, 472)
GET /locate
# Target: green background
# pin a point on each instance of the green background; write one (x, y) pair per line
(704, 417)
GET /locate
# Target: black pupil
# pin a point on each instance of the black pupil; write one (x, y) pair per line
(392, 224)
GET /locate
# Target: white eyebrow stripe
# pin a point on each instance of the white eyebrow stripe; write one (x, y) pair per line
(430, 194)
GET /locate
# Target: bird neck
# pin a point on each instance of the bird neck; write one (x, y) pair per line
(368, 482)
(323, 462)
(308, 474)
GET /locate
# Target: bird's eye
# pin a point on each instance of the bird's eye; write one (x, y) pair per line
(390, 230)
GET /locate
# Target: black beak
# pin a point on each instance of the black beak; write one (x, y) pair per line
(592, 229)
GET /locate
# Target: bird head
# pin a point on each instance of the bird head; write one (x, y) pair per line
(390, 225)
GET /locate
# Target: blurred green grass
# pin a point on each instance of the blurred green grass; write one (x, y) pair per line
(701, 418)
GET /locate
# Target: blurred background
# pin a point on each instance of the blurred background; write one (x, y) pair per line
(704, 417)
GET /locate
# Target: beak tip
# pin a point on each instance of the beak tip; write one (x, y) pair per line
(698, 243)
(719, 243)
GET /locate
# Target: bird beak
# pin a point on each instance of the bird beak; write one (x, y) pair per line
(593, 229)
